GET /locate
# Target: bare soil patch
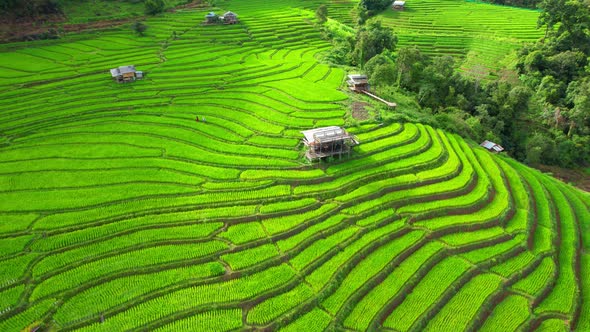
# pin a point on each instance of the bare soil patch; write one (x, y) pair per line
(359, 110)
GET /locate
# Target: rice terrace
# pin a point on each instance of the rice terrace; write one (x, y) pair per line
(176, 195)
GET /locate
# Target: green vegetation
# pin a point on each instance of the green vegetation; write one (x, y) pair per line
(119, 211)
(480, 36)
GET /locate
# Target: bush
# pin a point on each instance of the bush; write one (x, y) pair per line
(339, 54)
(540, 149)
(322, 14)
(380, 70)
(567, 152)
(139, 27)
(30, 8)
(375, 5)
(153, 7)
(217, 270)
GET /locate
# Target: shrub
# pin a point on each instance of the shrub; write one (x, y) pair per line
(322, 14)
(153, 7)
(139, 28)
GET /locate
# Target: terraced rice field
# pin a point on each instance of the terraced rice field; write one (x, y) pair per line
(118, 211)
(479, 35)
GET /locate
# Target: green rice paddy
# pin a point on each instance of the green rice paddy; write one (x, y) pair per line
(119, 211)
(479, 35)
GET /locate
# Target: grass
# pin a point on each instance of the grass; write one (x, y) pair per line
(116, 205)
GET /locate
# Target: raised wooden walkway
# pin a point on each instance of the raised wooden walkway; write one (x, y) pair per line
(388, 103)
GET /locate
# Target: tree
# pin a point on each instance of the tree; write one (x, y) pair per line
(551, 90)
(322, 14)
(375, 5)
(340, 52)
(409, 65)
(380, 70)
(578, 95)
(572, 18)
(372, 40)
(540, 149)
(374, 62)
(435, 88)
(363, 15)
(383, 75)
(566, 66)
(29, 8)
(153, 7)
(139, 28)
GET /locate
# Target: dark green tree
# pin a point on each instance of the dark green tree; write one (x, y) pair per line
(139, 28)
(374, 62)
(572, 19)
(409, 66)
(578, 96)
(362, 15)
(153, 7)
(372, 40)
(540, 149)
(375, 5)
(29, 8)
(322, 14)
(380, 70)
(435, 88)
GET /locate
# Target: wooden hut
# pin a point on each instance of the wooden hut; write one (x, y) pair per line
(126, 74)
(492, 147)
(328, 141)
(211, 18)
(358, 83)
(229, 18)
(398, 5)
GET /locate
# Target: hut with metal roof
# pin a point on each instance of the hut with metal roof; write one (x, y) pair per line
(398, 5)
(358, 82)
(328, 141)
(126, 74)
(211, 18)
(492, 147)
(229, 18)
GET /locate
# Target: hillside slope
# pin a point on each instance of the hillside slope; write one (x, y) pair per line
(119, 211)
(479, 35)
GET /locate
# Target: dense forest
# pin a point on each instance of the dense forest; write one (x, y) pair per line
(539, 110)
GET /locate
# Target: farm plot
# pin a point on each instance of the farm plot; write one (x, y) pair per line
(120, 211)
(477, 34)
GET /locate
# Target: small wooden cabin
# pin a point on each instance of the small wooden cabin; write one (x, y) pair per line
(229, 18)
(328, 141)
(211, 18)
(398, 5)
(492, 147)
(358, 83)
(126, 74)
